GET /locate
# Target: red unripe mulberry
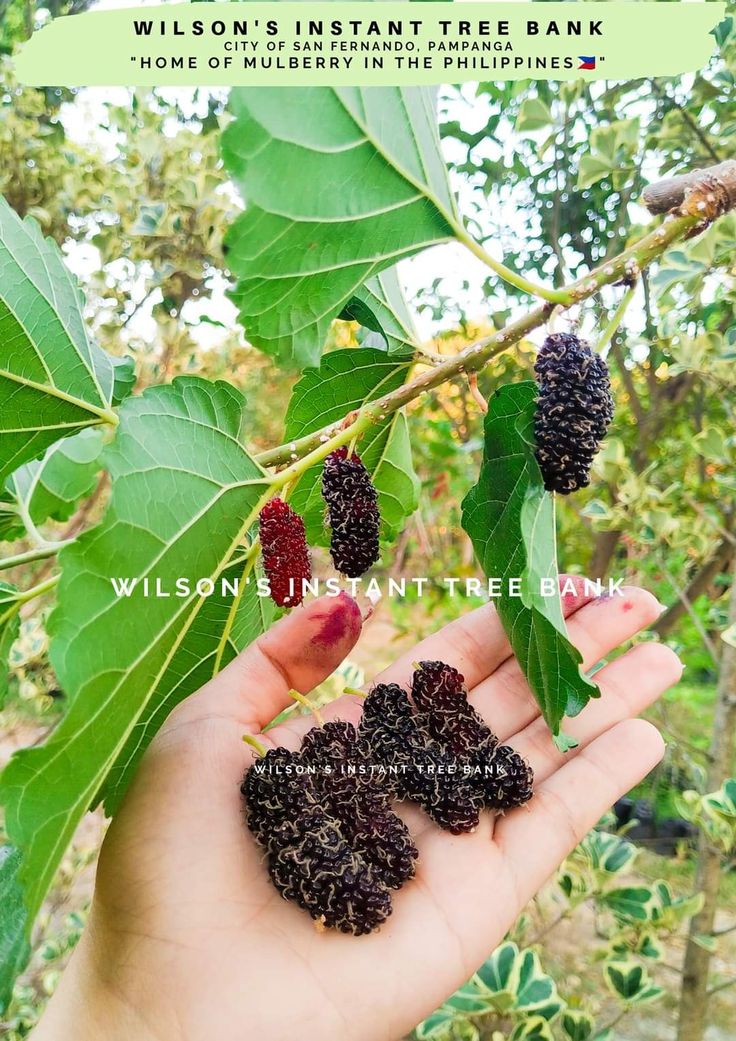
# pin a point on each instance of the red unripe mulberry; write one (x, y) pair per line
(285, 552)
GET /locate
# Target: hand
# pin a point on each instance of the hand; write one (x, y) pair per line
(189, 941)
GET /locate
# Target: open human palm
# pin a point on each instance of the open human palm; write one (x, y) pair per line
(189, 941)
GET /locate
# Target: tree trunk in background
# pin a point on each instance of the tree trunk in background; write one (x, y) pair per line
(697, 585)
(694, 996)
(603, 551)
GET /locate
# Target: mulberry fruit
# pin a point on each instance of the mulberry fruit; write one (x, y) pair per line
(384, 842)
(509, 780)
(388, 720)
(351, 787)
(441, 785)
(390, 735)
(334, 845)
(324, 814)
(439, 693)
(574, 410)
(352, 507)
(276, 791)
(341, 776)
(285, 553)
(316, 868)
(418, 767)
(436, 685)
(438, 751)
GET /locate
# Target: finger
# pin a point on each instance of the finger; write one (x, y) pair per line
(628, 686)
(475, 643)
(505, 700)
(537, 838)
(297, 653)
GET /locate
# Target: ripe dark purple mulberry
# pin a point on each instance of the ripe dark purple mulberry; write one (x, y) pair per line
(352, 508)
(352, 788)
(438, 751)
(285, 552)
(316, 868)
(439, 692)
(436, 685)
(574, 410)
(387, 725)
(417, 766)
(443, 789)
(276, 789)
(509, 782)
(335, 845)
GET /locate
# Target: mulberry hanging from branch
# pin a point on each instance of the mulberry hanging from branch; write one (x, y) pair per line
(285, 553)
(352, 506)
(574, 410)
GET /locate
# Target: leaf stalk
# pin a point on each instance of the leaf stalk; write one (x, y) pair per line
(48, 549)
(554, 296)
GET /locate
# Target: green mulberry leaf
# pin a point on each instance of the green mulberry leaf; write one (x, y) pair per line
(510, 520)
(184, 496)
(50, 488)
(53, 380)
(14, 946)
(362, 183)
(380, 307)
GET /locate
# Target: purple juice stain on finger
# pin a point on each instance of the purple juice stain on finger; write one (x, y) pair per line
(339, 622)
(573, 599)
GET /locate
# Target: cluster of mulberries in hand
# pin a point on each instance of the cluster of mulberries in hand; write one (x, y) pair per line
(324, 815)
(333, 843)
(574, 410)
(439, 752)
(354, 519)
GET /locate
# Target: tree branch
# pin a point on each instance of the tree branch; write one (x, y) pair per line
(720, 181)
(697, 585)
(31, 555)
(697, 210)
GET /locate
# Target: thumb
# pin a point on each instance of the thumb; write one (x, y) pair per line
(297, 653)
